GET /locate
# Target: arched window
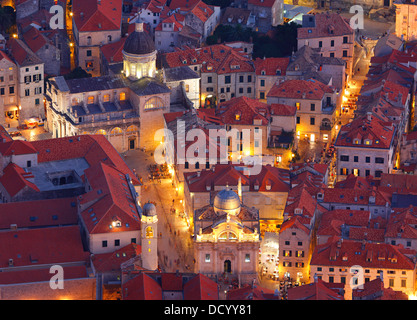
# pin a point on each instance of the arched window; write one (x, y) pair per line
(75, 101)
(108, 38)
(154, 103)
(227, 235)
(101, 131)
(88, 40)
(149, 232)
(132, 129)
(116, 131)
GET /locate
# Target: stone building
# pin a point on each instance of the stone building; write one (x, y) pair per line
(127, 108)
(365, 147)
(405, 19)
(30, 74)
(318, 106)
(225, 72)
(227, 239)
(8, 89)
(95, 23)
(332, 34)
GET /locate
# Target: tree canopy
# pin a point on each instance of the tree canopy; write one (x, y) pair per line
(281, 41)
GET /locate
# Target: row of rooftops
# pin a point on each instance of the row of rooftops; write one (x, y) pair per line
(382, 101)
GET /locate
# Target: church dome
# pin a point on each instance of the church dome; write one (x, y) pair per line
(227, 201)
(149, 209)
(139, 42)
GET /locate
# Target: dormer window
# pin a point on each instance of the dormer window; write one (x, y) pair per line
(209, 68)
(278, 73)
(263, 72)
(237, 116)
(355, 141)
(368, 142)
(298, 211)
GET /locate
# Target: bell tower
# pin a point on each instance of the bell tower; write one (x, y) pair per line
(149, 237)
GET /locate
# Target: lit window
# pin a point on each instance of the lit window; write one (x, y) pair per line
(149, 232)
(132, 129)
(106, 98)
(116, 131)
(90, 100)
(101, 131)
(154, 103)
(122, 96)
(237, 116)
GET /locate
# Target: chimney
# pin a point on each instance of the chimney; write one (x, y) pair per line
(369, 116)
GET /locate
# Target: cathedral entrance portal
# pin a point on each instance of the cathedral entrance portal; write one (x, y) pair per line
(132, 144)
(227, 266)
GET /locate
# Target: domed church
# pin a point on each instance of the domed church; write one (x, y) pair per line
(227, 239)
(127, 108)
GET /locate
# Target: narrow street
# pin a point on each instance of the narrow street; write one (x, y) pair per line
(175, 245)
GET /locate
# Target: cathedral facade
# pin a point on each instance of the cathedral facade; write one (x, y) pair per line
(127, 108)
(227, 239)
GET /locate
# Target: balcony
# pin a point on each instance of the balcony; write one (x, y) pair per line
(325, 127)
(328, 108)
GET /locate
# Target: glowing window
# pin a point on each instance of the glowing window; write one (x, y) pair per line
(101, 131)
(154, 103)
(90, 100)
(106, 98)
(149, 232)
(116, 131)
(237, 117)
(122, 96)
(132, 129)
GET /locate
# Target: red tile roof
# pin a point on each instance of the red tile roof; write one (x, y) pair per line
(16, 147)
(41, 246)
(201, 288)
(368, 255)
(294, 223)
(300, 89)
(141, 287)
(401, 223)
(110, 262)
(151, 286)
(249, 292)
(39, 213)
(217, 58)
(270, 66)
(176, 19)
(380, 133)
(113, 200)
(113, 51)
(354, 196)
(15, 179)
(40, 275)
(327, 25)
(21, 53)
(229, 174)
(375, 290)
(93, 15)
(314, 291)
(34, 39)
(332, 221)
(282, 110)
(248, 110)
(93, 148)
